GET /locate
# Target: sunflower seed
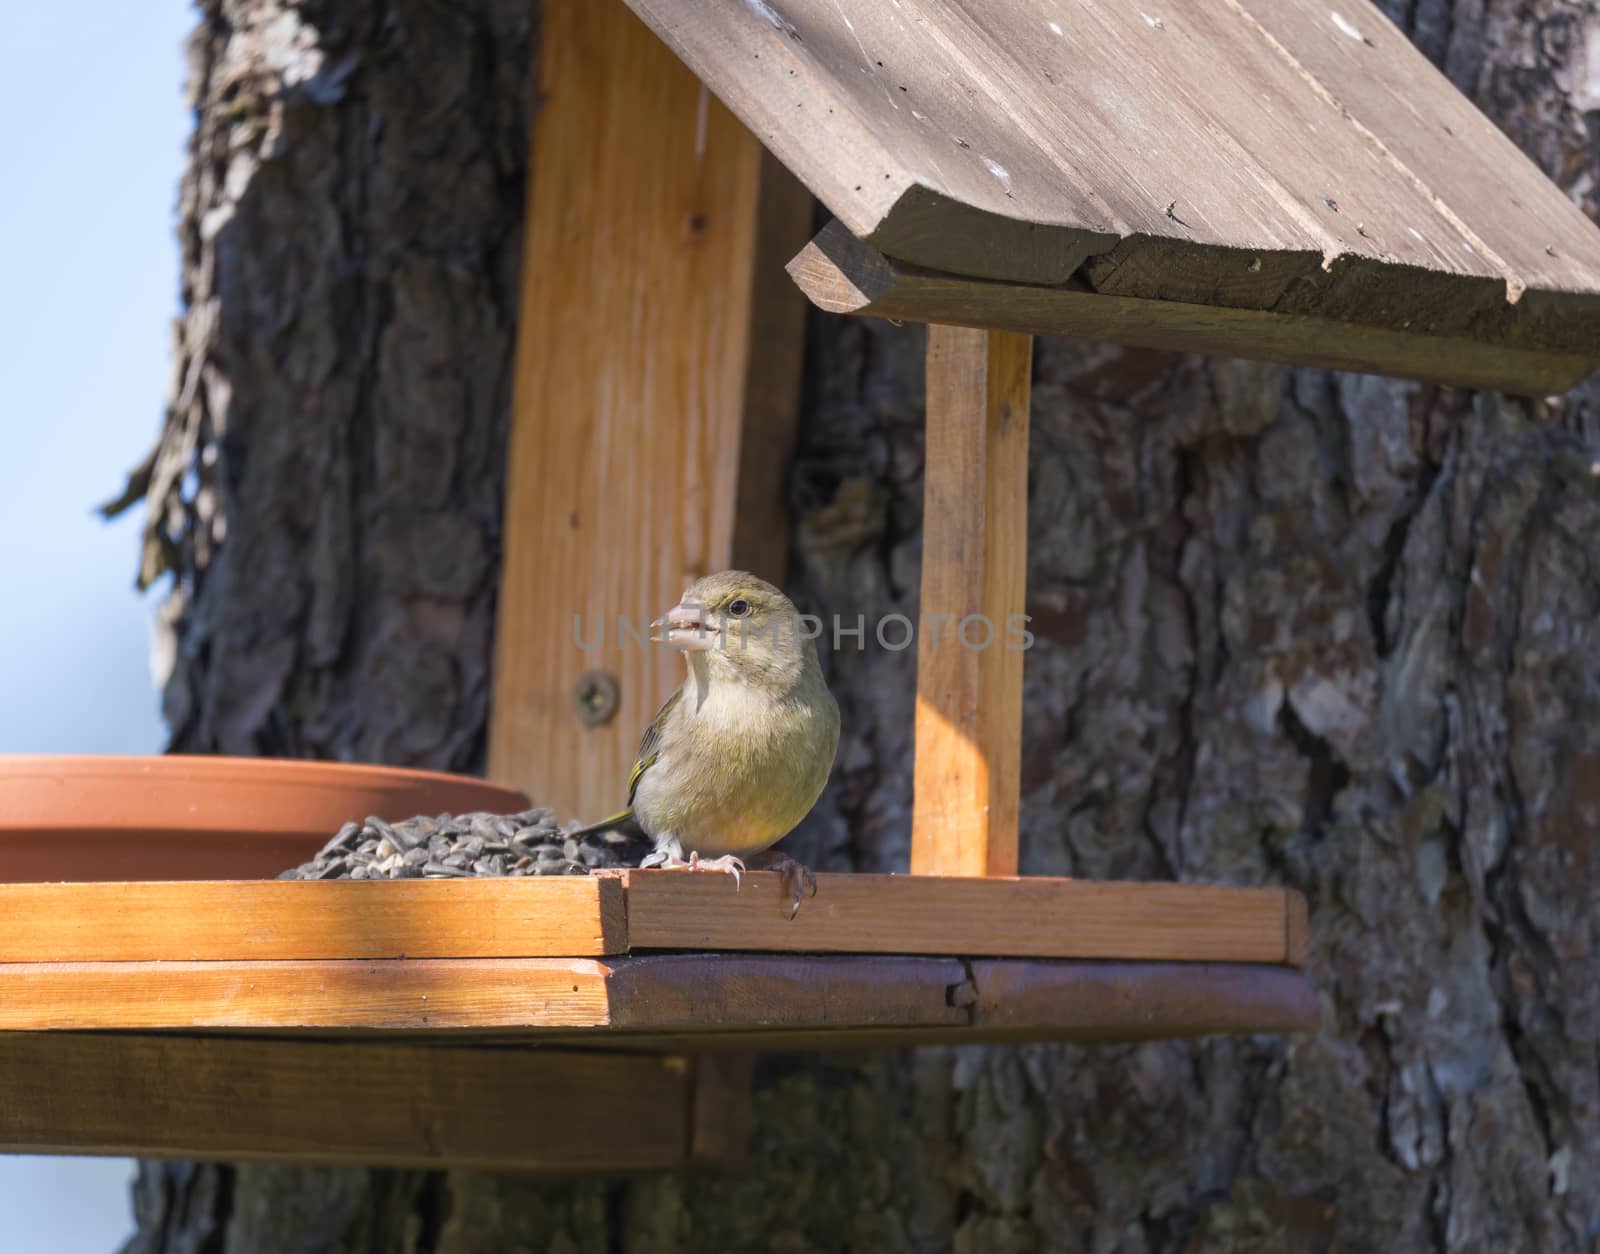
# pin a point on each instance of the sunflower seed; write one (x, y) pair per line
(455, 847)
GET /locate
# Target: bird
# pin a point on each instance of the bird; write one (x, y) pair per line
(739, 754)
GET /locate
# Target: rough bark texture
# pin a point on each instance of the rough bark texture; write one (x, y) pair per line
(326, 495)
(1294, 627)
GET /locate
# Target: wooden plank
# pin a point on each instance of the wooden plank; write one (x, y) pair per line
(254, 922)
(661, 1002)
(698, 993)
(822, 91)
(1440, 139)
(354, 1103)
(1222, 171)
(775, 350)
(569, 916)
(923, 914)
(985, 1000)
(1129, 1001)
(394, 995)
(974, 580)
(514, 918)
(258, 923)
(1242, 142)
(1248, 155)
(636, 273)
(635, 368)
(673, 993)
(842, 275)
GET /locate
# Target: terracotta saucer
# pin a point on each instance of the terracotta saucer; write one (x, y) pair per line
(192, 818)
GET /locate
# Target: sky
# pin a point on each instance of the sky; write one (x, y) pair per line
(92, 127)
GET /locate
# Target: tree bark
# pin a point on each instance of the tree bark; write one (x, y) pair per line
(1325, 630)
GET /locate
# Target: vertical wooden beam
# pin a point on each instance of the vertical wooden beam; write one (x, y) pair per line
(974, 579)
(630, 439)
(659, 352)
(721, 1113)
(775, 351)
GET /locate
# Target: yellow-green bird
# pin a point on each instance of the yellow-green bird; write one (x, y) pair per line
(740, 753)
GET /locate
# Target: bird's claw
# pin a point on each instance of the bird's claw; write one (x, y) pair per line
(732, 865)
(668, 860)
(798, 882)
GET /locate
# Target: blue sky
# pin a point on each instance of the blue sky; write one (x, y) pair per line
(92, 126)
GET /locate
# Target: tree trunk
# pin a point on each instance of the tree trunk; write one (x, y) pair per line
(1297, 627)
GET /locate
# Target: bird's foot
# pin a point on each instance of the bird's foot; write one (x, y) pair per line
(665, 860)
(798, 882)
(727, 862)
(671, 860)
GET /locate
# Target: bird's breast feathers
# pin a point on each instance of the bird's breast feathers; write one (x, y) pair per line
(739, 768)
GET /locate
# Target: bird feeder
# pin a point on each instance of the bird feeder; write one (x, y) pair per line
(1266, 179)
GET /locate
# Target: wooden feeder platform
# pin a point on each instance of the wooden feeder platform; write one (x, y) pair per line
(661, 959)
(123, 1005)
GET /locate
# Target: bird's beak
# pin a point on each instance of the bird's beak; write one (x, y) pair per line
(685, 627)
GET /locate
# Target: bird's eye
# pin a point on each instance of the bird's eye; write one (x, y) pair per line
(739, 608)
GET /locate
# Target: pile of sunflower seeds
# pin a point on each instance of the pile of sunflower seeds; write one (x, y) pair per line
(464, 846)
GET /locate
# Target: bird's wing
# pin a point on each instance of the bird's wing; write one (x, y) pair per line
(650, 745)
(649, 751)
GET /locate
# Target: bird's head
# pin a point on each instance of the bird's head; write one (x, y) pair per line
(740, 626)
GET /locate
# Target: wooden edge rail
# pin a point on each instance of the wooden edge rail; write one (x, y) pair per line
(630, 911)
(398, 994)
(991, 916)
(615, 912)
(140, 921)
(672, 1002)
(842, 274)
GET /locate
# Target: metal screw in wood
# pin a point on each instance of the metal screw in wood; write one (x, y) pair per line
(596, 698)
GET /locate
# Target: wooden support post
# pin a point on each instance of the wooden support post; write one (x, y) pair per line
(721, 1113)
(974, 579)
(657, 380)
(658, 370)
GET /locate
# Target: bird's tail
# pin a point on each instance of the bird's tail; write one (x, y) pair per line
(622, 820)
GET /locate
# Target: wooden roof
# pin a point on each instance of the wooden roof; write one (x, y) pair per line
(1285, 157)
